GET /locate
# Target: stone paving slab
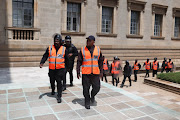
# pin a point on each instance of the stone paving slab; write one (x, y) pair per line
(34, 102)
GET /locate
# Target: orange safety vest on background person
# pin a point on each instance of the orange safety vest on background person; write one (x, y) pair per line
(136, 67)
(169, 65)
(166, 65)
(56, 61)
(115, 67)
(90, 64)
(155, 65)
(147, 65)
(105, 66)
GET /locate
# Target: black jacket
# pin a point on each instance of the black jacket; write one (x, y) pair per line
(71, 49)
(127, 70)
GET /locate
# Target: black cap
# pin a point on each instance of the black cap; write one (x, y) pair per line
(57, 37)
(91, 37)
(68, 38)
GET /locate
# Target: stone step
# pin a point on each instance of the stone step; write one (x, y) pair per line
(162, 84)
(21, 53)
(21, 64)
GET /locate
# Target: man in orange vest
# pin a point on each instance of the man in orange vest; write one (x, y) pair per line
(147, 65)
(105, 68)
(164, 66)
(155, 66)
(169, 66)
(136, 67)
(57, 60)
(91, 62)
(115, 70)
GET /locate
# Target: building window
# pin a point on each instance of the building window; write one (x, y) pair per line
(135, 23)
(107, 16)
(158, 25)
(177, 27)
(23, 13)
(73, 17)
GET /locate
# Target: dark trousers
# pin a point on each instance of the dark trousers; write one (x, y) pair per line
(169, 70)
(135, 75)
(129, 77)
(154, 72)
(87, 81)
(57, 76)
(104, 75)
(163, 69)
(114, 77)
(71, 77)
(147, 73)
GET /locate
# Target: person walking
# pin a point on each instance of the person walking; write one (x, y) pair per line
(57, 61)
(136, 68)
(115, 70)
(91, 60)
(72, 53)
(164, 66)
(155, 67)
(170, 65)
(127, 73)
(105, 68)
(147, 65)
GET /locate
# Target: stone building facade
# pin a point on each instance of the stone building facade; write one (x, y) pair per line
(127, 26)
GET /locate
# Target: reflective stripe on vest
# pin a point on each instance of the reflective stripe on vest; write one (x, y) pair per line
(115, 67)
(147, 65)
(136, 67)
(90, 64)
(169, 65)
(56, 61)
(155, 65)
(105, 66)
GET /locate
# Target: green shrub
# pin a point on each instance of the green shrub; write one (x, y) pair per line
(172, 77)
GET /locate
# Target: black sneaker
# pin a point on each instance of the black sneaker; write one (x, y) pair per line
(87, 106)
(121, 86)
(92, 99)
(59, 100)
(52, 93)
(64, 88)
(71, 84)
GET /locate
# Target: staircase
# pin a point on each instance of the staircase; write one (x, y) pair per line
(30, 55)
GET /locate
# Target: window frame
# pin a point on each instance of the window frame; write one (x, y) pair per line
(137, 23)
(158, 31)
(23, 9)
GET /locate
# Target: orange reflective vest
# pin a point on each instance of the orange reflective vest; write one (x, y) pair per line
(90, 64)
(115, 67)
(147, 65)
(56, 61)
(166, 65)
(105, 66)
(169, 65)
(155, 65)
(136, 67)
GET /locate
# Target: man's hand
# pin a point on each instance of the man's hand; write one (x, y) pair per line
(41, 65)
(78, 76)
(70, 54)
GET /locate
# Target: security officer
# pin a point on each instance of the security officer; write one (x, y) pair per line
(115, 70)
(147, 65)
(136, 67)
(72, 53)
(164, 66)
(127, 73)
(105, 68)
(57, 60)
(90, 57)
(170, 66)
(155, 66)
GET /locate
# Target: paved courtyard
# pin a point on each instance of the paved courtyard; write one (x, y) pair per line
(25, 95)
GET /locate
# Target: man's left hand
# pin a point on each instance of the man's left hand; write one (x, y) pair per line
(70, 54)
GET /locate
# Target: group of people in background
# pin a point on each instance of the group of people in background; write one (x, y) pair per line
(91, 64)
(116, 69)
